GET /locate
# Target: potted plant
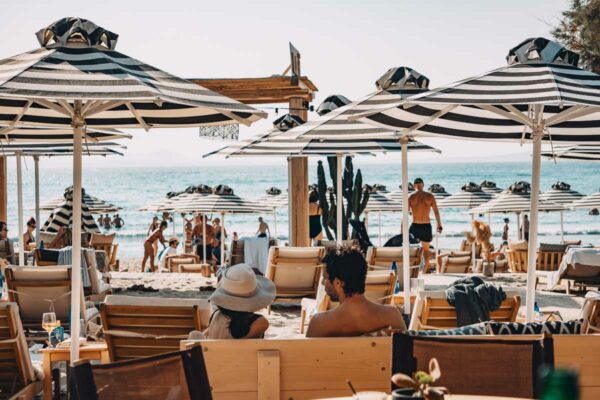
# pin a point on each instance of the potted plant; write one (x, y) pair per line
(419, 385)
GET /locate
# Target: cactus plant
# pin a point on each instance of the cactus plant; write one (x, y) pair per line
(355, 198)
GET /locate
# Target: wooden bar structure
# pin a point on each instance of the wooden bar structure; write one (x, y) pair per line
(278, 89)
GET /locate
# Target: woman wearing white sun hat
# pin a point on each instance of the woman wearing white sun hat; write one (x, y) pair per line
(239, 295)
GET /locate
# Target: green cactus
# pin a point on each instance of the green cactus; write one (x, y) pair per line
(355, 198)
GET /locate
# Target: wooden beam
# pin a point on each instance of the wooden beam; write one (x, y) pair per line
(269, 374)
(273, 89)
(298, 188)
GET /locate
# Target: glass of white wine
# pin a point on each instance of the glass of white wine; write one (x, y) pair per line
(48, 324)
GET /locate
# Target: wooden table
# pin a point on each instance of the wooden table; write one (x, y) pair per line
(88, 351)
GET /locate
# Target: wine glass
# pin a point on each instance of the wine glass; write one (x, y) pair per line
(48, 324)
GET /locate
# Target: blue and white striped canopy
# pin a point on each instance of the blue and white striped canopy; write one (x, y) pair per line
(75, 63)
(498, 105)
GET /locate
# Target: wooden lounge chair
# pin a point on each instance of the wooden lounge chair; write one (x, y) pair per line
(590, 312)
(379, 288)
(477, 366)
(517, 260)
(452, 264)
(137, 327)
(295, 271)
(106, 244)
(37, 290)
(432, 311)
(173, 262)
(45, 257)
(382, 258)
(18, 378)
(547, 263)
(98, 289)
(237, 252)
(177, 375)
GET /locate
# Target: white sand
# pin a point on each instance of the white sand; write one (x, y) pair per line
(285, 318)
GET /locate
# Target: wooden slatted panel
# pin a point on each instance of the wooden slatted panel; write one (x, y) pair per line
(583, 353)
(11, 378)
(549, 261)
(6, 331)
(309, 368)
(121, 348)
(439, 313)
(150, 320)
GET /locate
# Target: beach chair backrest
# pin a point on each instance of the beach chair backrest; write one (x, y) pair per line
(549, 260)
(92, 266)
(517, 260)
(432, 311)
(456, 265)
(12, 329)
(141, 326)
(175, 375)
(45, 257)
(295, 270)
(37, 290)
(332, 244)
(590, 313)
(296, 368)
(237, 252)
(502, 367)
(384, 256)
(173, 263)
(379, 286)
(100, 239)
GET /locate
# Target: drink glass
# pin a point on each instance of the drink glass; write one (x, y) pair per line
(49, 323)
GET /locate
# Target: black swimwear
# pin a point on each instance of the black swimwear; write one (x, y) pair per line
(262, 235)
(423, 232)
(314, 225)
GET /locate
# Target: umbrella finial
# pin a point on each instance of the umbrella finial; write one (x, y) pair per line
(287, 122)
(471, 187)
(331, 103)
(75, 31)
(520, 187)
(561, 186)
(541, 50)
(402, 78)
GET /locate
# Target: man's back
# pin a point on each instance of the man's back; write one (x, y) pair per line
(356, 317)
(420, 203)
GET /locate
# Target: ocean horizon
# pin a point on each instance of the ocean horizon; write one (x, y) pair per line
(135, 186)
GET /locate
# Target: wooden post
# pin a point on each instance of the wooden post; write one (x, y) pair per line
(298, 187)
(3, 190)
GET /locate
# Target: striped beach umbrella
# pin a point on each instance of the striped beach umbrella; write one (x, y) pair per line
(540, 96)
(471, 195)
(223, 204)
(438, 191)
(62, 216)
(94, 204)
(513, 202)
(591, 201)
(54, 135)
(380, 203)
(76, 79)
(561, 193)
(584, 152)
(331, 103)
(490, 187)
(396, 195)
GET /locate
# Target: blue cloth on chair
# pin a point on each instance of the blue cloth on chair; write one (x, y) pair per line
(65, 257)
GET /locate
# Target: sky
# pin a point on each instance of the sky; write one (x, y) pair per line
(345, 47)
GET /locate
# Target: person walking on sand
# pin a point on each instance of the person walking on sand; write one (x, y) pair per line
(263, 228)
(151, 228)
(525, 227)
(157, 235)
(420, 204)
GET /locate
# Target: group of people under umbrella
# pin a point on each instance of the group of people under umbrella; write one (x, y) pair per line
(81, 82)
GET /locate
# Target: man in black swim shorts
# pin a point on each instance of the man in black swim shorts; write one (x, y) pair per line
(420, 204)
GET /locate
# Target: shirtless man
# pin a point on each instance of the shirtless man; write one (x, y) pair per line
(198, 239)
(107, 222)
(263, 228)
(344, 280)
(118, 222)
(420, 204)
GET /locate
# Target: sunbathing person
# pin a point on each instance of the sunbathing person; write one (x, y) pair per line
(239, 295)
(344, 280)
(148, 250)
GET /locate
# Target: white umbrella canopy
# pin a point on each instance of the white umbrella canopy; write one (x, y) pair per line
(541, 96)
(76, 79)
(274, 198)
(561, 193)
(380, 203)
(490, 187)
(471, 195)
(590, 201)
(396, 195)
(438, 191)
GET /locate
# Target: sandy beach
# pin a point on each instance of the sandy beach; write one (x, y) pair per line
(285, 318)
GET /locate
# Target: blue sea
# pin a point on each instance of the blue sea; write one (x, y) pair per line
(132, 188)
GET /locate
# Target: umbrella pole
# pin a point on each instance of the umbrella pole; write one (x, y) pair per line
(562, 227)
(203, 239)
(405, 241)
(36, 164)
(533, 217)
(379, 223)
(473, 247)
(340, 206)
(76, 289)
(222, 239)
(20, 208)
(275, 225)
(173, 219)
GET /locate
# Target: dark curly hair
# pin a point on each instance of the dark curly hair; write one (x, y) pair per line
(349, 266)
